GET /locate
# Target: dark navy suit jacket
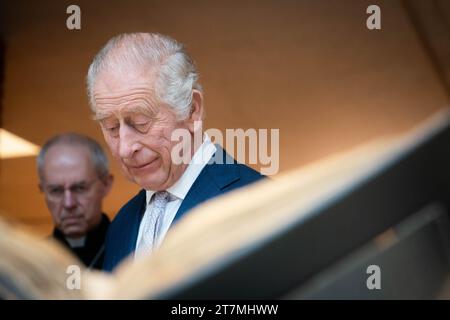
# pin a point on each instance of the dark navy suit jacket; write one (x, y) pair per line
(214, 180)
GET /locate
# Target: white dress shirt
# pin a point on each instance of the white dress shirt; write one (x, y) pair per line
(179, 190)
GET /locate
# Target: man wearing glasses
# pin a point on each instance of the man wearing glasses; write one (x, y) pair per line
(74, 176)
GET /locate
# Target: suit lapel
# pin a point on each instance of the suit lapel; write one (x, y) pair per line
(136, 213)
(210, 183)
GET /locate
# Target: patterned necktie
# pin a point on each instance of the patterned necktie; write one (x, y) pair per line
(152, 221)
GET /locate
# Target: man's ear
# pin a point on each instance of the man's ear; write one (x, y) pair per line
(108, 182)
(41, 188)
(196, 113)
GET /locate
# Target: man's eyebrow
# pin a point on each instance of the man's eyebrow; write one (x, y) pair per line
(138, 110)
(101, 116)
(77, 183)
(52, 186)
(128, 110)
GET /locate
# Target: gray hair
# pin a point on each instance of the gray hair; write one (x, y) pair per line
(98, 156)
(167, 59)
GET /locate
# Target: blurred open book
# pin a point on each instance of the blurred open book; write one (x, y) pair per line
(238, 227)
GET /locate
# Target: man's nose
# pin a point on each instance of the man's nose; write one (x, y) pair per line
(69, 199)
(128, 143)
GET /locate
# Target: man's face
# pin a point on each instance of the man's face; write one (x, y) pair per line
(138, 129)
(73, 191)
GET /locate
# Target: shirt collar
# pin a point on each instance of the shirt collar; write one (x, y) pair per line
(200, 159)
(76, 242)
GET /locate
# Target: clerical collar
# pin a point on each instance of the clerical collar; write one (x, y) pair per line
(76, 242)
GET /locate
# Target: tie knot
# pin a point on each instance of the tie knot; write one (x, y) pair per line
(162, 197)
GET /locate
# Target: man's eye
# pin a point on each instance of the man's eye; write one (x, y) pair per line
(110, 124)
(56, 191)
(142, 127)
(112, 128)
(79, 189)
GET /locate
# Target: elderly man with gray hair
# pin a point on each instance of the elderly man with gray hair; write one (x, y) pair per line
(74, 176)
(143, 87)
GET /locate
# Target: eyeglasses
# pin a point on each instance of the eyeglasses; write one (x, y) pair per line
(56, 192)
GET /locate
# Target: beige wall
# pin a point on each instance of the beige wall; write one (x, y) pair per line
(310, 68)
